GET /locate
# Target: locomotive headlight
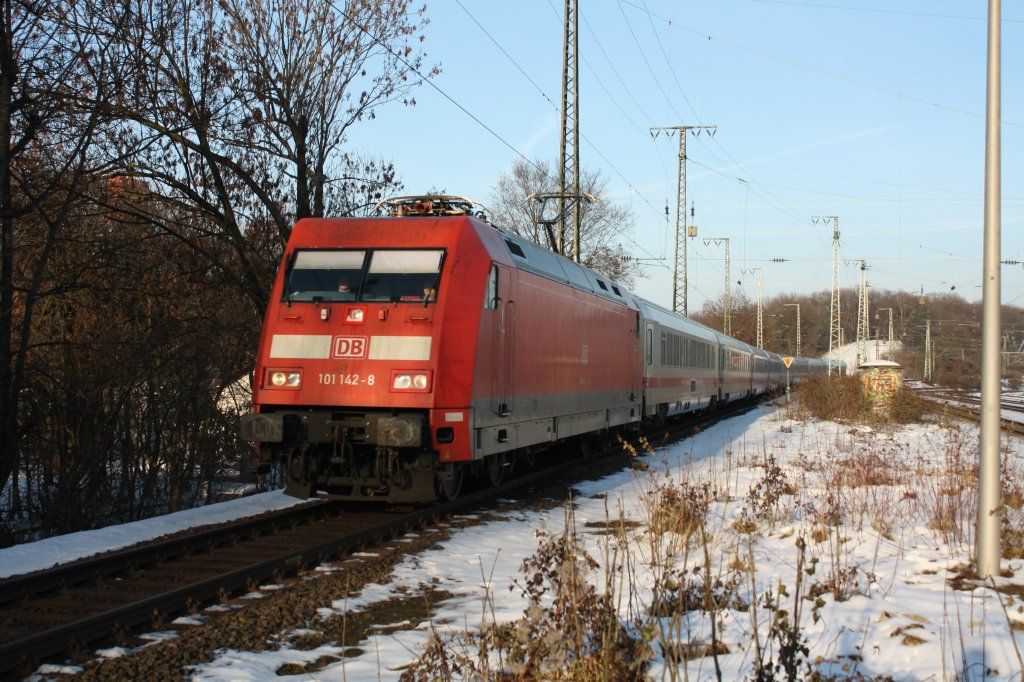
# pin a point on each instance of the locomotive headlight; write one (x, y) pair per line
(411, 381)
(284, 378)
(355, 315)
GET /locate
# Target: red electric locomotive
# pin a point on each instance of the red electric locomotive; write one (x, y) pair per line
(399, 353)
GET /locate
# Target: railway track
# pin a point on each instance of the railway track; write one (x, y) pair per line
(72, 607)
(967, 405)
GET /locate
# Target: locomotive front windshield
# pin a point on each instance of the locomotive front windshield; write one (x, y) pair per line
(382, 275)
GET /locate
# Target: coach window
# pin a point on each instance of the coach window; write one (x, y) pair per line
(401, 275)
(491, 297)
(650, 346)
(324, 275)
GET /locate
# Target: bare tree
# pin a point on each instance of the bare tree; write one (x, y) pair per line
(51, 73)
(602, 223)
(237, 114)
(307, 70)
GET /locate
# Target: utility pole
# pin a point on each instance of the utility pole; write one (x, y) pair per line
(797, 305)
(890, 321)
(928, 350)
(864, 319)
(862, 315)
(569, 171)
(727, 313)
(679, 270)
(990, 514)
(760, 307)
(878, 332)
(835, 334)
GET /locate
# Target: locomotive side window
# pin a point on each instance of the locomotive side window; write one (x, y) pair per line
(491, 297)
(324, 275)
(403, 275)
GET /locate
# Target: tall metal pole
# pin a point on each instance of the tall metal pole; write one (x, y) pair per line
(988, 552)
(569, 171)
(928, 350)
(797, 325)
(679, 270)
(835, 334)
(727, 312)
(878, 332)
(880, 310)
(864, 308)
(862, 315)
(760, 307)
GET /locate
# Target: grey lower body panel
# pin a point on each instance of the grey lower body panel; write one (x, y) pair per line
(544, 420)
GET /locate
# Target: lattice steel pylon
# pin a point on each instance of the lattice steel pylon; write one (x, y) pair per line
(679, 285)
(863, 324)
(569, 171)
(835, 333)
(727, 305)
(760, 307)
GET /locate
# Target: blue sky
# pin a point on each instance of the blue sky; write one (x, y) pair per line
(871, 111)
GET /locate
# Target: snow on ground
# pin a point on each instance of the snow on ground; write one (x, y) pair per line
(36, 556)
(897, 616)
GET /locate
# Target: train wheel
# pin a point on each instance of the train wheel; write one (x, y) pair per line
(448, 488)
(497, 467)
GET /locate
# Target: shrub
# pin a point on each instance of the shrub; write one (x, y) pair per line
(837, 398)
(908, 407)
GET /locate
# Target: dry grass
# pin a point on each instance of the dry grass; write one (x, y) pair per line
(695, 538)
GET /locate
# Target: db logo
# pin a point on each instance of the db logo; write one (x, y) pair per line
(349, 346)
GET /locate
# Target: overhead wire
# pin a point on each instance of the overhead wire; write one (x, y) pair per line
(771, 199)
(876, 10)
(507, 55)
(759, 188)
(479, 121)
(814, 69)
(779, 204)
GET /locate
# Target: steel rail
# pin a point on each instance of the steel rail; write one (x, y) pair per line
(23, 651)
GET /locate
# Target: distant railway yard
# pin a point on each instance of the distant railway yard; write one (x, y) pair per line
(967, 405)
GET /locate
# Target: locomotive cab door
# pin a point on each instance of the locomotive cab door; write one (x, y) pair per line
(503, 311)
(641, 356)
(647, 351)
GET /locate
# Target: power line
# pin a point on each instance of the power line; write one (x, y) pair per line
(643, 55)
(882, 11)
(505, 52)
(814, 69)
(483, 125)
